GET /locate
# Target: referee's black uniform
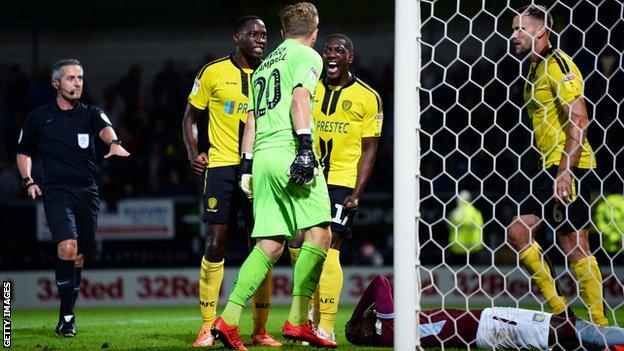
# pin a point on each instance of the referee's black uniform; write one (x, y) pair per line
(65, 142)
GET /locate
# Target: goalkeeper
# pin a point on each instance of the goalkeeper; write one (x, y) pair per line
(288, 195)
(372, 324)
(561, 193)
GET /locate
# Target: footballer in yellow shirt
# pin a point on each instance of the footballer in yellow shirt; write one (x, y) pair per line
(560, 195)
(348, 118)
(222, 88)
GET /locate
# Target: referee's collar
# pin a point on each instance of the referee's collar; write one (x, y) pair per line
(79, 107)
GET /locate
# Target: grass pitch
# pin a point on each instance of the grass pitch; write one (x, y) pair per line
(152, 328)
(148, 328)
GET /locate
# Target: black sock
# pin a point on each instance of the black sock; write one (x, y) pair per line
(65, 284)
(77, 280)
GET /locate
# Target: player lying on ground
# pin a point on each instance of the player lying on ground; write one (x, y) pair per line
(372, 323)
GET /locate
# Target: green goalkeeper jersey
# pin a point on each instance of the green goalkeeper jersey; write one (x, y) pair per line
(289, 66)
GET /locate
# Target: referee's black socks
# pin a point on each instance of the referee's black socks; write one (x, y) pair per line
(65, 280)
(78, 278)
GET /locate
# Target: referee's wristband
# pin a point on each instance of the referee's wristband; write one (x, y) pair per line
(114, 141)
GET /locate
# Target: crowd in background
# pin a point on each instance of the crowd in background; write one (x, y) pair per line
(475, 136)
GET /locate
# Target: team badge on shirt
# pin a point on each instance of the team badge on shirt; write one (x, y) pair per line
(346, 105)
(83, 140)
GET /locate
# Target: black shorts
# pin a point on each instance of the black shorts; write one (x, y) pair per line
(223, 197)
(71, 212)
(342, 220)
(540, 201)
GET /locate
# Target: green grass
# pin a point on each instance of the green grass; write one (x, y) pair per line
(151, 328)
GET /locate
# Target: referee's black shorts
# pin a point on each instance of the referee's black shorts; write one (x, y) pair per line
(223, 197)
(539, 200)
(71, 212)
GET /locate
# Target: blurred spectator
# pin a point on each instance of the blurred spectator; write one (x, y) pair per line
(112, 105)
(368, 255)
(10, 182)
(129, 87)
(17, 103)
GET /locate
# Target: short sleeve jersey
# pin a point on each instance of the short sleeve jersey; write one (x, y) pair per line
(343, 116)
(550, 83)
(65, 141)
(222, 87)
(289, 66)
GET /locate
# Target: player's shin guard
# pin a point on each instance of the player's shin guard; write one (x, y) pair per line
(262, 304)
(210, 278)
(305, 279)
(65, 280)
(589, 280)
(330, 287)
(541, 272)
(250, 276)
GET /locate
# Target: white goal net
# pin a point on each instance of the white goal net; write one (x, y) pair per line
(477, 141)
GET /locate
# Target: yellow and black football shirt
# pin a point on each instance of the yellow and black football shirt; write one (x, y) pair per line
(343, 115)
(550, 83)
(222, 86)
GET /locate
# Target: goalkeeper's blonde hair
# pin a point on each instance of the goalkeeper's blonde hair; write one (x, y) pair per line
(299, 19)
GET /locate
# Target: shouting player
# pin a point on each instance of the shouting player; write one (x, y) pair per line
(372, 324)
(223, 87)
(348, 118)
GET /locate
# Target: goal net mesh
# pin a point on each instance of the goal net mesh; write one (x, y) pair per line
(477, 143)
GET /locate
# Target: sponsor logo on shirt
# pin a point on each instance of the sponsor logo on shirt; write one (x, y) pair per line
(569, 77)
(378, 116)
(229, 107)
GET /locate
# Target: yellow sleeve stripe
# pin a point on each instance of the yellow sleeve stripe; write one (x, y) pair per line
(367, 87)
(201, 72)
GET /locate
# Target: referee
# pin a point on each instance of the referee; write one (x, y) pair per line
(63, 133)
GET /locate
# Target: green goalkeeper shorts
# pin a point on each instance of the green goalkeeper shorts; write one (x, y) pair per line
(281, 207)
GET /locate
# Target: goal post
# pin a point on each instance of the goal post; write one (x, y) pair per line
(406, 174)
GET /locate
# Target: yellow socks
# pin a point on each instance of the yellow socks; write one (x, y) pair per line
(262, 304)
(210, 278)
(294, 253)
(589, 280)
(541, 272)
(330, 287)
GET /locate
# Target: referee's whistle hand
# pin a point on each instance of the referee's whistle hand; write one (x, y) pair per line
(34, 191)
(117, 150)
